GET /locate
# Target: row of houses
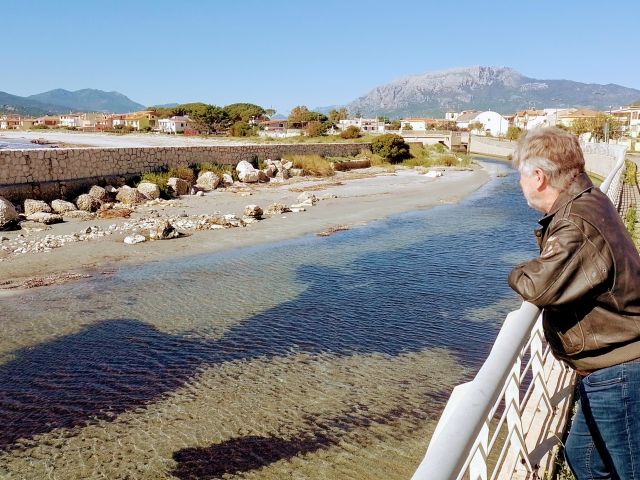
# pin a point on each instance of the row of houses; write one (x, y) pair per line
(96, 122)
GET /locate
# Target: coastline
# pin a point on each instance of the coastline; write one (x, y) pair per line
(349, 200)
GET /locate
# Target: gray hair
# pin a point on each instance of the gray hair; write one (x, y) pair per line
(554, 151)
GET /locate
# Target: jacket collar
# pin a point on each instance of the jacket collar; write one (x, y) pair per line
(580, 184)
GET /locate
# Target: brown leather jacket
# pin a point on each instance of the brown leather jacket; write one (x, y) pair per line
(587, 279)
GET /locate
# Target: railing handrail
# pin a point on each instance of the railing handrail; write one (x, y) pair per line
(455, 439)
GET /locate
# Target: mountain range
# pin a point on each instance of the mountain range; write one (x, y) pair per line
(63, 101)
(501, 89)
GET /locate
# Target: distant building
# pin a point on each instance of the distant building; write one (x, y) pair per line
(175, 124)
(368, 125)
(142, 120)
(567, 117)
(492, 123)
(451, 116)
(417, 123)
(465, 118)
(48, 120)
(9, 122)
(529, 119)
(630, 119)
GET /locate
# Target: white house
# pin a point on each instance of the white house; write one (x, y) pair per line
(416, 123)
(493, 123)
(175, 124)
(465, 118)
(364, 124)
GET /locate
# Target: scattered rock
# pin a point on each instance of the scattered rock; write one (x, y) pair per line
(115, 213)
(130, 196)
(332, 230)
(62, 206)
(178, 186)
(295, 172)
(200, 194)
(208, 180)
(8, 215)
(263, 177)
(297, 209)
(34, 206)
(270, 171)
(88, 203)
(227, 179)
(149, 190)
(164, 231)
(45, 217)
(81, 215)
(277, 209)
(433, 174)
(282, 175)
(307, 199)
(253, 211)
(288, 165)
(133, 239)
(99, 193)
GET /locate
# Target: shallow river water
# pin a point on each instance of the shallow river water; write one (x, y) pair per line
(308, 359)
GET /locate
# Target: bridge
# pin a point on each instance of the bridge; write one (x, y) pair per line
(508, 422)
(452, 140)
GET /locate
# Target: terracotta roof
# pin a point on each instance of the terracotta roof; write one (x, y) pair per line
(467, 117)
(579, 113)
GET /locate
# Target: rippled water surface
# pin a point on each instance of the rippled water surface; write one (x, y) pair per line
(314, 358)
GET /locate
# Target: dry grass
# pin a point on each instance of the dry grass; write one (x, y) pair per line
(313, 165)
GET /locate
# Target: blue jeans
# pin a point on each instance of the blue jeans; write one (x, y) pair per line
(604, 440)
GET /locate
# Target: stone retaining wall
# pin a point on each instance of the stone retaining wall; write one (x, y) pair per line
(63, 173)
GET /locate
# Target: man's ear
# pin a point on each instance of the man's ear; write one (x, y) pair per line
(541, 179)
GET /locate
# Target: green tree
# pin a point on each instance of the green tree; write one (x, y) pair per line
(336, 115)
(315, 128)
(395, 125)
(390, 146)
(596, 126)
(244, 112)
(407, 126)
(209, 118)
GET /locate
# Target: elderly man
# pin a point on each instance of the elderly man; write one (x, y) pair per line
(587, 280)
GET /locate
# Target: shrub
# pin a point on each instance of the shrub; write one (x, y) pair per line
(160, 179)
(185, 173)
(242, 129)
(217, 169)
(513, 133)
(390, 146)
(314, 165)
(351, 132)
(42, 126)
(315, 129)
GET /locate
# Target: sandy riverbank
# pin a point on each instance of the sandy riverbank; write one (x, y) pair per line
(351, 199)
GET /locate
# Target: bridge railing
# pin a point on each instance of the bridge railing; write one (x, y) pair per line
(506, 422)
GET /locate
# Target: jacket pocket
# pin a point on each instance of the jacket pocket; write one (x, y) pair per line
(567, 331)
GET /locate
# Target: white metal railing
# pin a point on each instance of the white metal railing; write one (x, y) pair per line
(505, 423)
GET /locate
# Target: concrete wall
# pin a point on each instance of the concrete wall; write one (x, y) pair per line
(63, 173)
(490, 146)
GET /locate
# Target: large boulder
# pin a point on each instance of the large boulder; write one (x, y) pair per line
(271, 170)
(130, 196)
(149, 190)
(45, 217)
(34, 206)
(88, 203)
(246, 172)
(178, 186)
(62, 206)
(8, 215)
(208, 180)
(99, 193)
(263, 177)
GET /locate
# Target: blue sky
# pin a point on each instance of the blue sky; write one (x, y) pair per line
(285, 53)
